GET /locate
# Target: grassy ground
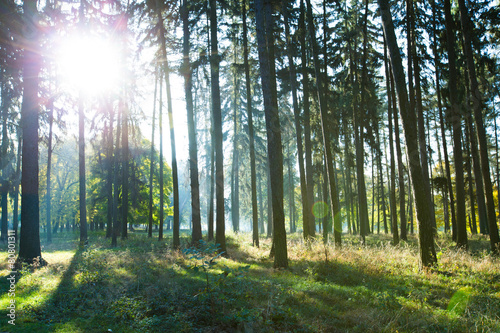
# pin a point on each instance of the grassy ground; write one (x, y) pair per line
(144, 286)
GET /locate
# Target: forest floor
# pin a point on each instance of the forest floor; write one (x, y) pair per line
(144, 286)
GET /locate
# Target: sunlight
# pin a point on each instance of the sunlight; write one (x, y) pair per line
(89, 64)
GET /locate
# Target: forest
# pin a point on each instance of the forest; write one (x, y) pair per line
(249, 166)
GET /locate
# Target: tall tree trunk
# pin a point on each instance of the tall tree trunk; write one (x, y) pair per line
(265, 39)
(110, 167)
(251, 135)
(401, 179)
(116, 184)
(175, 178)
(162, 162)
(235, 191)
(125, 171)
(29, 244)
(390, 114)
(49, 169)
(220, 233)
(81, 158)
(309, 228)
(381, 182)
(15, 213)
(4, 183)
(193, 149)
(480, 130)
(456, 123)
(123, 24)
(334, 206)
(298, 128)
(152, 159)
(421, 195)
(212, 185)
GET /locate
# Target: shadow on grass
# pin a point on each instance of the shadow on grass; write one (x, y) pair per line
(141, 286)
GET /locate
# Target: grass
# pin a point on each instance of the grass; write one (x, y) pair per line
(144, 286)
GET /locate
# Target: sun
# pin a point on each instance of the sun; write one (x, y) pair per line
(89, 64)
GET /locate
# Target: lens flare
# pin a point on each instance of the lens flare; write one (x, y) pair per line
(320, 209)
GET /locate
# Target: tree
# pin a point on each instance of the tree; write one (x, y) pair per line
(81, 154)
(309, 228)
(193, 150)
(298, 127)
(166, 72)
(29, 243)
(251, 135)
(151, 171)
(220, 234)
(265, 40)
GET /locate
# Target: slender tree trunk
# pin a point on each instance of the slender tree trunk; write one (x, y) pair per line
(381, 183)
(251, 135)
(334, 207)
(4, 183)
(265, 38)
(193, 149)
(456, 123)
(15, 213)
(125, 172)
(175, 178)
(116, 185)
(422, 196)
(162, 162)
(212, 185)
(235, 191)
(122, 29)
(220, 233)
(480, 130)
(152, 160)
(110, 167)
(49, 169)
(390, 113)
(261, 204)
(309, 228)
(81, 157)
(298, 128)
(401, 180)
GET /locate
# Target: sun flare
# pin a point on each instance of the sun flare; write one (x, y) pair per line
(89, 64)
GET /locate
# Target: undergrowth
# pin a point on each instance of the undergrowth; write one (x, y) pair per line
(145, 286)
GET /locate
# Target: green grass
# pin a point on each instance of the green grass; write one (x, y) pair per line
(144, 286)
